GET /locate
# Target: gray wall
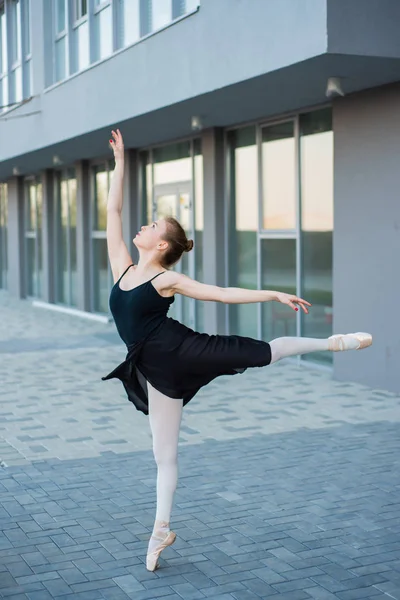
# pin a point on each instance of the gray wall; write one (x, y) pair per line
(367, 234)
(364, 27)
(224, 43)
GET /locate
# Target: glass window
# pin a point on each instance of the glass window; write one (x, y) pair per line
(27, 28)
(82, 38)
(278, 272)
(161, 13)
(60, 16)
(172, 163)
(33, 239)
(100, 203)
(243, 225)
(104, 32)
(3, 60)
(66, 271)
(80, 9)
(199, 226)
(15, 16)
(61, 59)
(316, 148)
(279, 176)
(102, 278)
(16, 83)
(131, 21)
(3, 235)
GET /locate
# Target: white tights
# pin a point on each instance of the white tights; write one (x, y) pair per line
(165, 415)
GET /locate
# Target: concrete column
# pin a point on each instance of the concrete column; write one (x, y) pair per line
(83, 235)
(131, 206)
(48, 250)
(214, 224)
(15, 238)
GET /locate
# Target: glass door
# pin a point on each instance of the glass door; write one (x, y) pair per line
(174, 200)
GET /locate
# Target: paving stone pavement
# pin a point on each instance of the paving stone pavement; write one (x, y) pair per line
(289, 481)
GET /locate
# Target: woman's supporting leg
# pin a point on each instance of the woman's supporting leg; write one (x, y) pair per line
(165, 415)
(292, 346)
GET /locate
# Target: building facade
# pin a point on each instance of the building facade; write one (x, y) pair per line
(227, 126)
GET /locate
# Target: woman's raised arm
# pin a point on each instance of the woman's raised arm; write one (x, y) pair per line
(118, 253)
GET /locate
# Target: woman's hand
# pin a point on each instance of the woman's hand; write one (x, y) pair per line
(292, 301)
(117, 145)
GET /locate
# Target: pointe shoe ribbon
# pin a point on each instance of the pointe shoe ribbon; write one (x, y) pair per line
(342, 342)
(152, 557)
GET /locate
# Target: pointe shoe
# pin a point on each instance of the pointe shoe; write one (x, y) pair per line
(342, 342)
(152, 557)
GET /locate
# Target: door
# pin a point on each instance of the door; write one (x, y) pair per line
(175, 200)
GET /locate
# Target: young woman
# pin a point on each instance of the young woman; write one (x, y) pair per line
(167, 363)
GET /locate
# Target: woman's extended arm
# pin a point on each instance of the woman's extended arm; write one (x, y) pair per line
(186, 286)
(118, 253)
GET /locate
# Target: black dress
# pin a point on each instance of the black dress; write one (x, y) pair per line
(174, 359)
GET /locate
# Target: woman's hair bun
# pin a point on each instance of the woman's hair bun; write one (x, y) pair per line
(189, 245)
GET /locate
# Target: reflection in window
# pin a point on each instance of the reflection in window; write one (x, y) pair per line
(131, 22)
(316, 148)
(104, 32)
(279, 175)
(278, 272)
(243, 226)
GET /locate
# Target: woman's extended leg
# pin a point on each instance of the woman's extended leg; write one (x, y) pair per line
(291, 346)
(165, 415)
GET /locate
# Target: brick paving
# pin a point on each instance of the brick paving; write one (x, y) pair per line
(289, 481)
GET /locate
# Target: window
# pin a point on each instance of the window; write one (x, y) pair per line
(15, 53)
(316, 150)
(3, 60)
(280, 236)
(243, 188)
(279, 174)
(33, 239)
(65, 236)
(103, 23)
(61, 41)
(80, 9)
(3, 235)
(101, 272)
(161, 13)
(131, 22)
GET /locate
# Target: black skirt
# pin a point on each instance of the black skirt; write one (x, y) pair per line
(178, 361)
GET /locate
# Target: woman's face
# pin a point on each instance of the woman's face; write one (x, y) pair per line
(151, 235)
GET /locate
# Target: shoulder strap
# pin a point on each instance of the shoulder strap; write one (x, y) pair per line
(156, 275)
(126, 270)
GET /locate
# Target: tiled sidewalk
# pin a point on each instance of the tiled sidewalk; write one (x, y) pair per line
(289, 481)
